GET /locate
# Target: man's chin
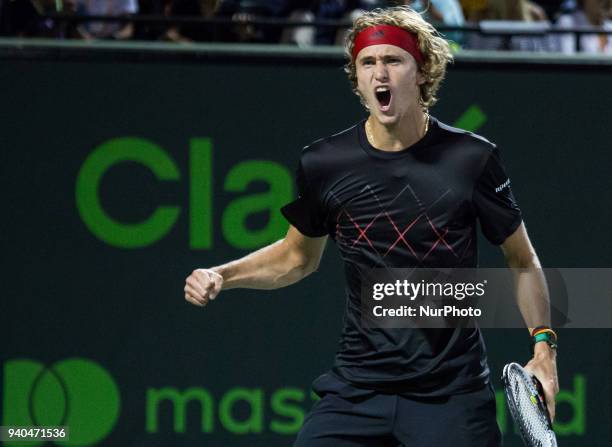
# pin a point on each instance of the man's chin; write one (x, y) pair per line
(386, 119)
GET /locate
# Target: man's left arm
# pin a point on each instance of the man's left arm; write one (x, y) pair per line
(533, 301)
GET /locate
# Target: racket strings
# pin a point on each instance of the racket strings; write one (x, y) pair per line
(523, 399)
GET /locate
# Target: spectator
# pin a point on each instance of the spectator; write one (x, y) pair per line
(244, 11)
(447, 12)
(329, 10)
(475, 10)
(193, 32)
(23, 18)
(302, 11)
(519, 15)
(590, 13)
(342, 10)
(106, 30)
(552, 8)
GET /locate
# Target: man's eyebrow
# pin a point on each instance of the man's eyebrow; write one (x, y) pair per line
(368, 58)
(365, 58)
(383, 56)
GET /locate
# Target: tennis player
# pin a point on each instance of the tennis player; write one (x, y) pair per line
(398, 189)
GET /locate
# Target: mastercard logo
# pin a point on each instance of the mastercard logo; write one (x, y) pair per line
(75, 392)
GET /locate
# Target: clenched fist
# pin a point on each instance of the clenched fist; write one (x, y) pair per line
(202, 286)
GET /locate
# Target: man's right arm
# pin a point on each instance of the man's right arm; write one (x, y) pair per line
(277, 265)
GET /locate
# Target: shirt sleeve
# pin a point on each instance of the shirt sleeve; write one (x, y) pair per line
(305, 213)
(496, 207)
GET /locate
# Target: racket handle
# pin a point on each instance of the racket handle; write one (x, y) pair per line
(542, 398)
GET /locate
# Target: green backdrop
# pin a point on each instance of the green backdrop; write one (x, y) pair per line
(126, 168)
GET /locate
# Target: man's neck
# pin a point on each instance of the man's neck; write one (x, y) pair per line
(400, 135)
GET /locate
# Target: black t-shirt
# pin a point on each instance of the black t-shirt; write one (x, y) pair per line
(417, 207)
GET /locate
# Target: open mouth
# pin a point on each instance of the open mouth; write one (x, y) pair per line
(383, 95)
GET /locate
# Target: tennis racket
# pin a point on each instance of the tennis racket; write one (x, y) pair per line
(526, 403)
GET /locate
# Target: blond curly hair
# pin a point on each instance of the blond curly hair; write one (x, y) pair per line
(436, 51)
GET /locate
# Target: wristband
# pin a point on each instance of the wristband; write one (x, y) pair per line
(547, 336)
(544, 330)
(538, 328)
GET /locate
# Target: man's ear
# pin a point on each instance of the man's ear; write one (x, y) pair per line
(361, 99)
(420, 78)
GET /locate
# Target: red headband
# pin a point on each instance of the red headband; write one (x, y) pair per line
(390, 35)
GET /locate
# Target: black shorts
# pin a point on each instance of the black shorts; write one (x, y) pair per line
(347, 416)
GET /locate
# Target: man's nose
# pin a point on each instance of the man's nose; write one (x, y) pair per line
(380, 73)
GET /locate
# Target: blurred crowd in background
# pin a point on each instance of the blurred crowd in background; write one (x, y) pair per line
(499, 21)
